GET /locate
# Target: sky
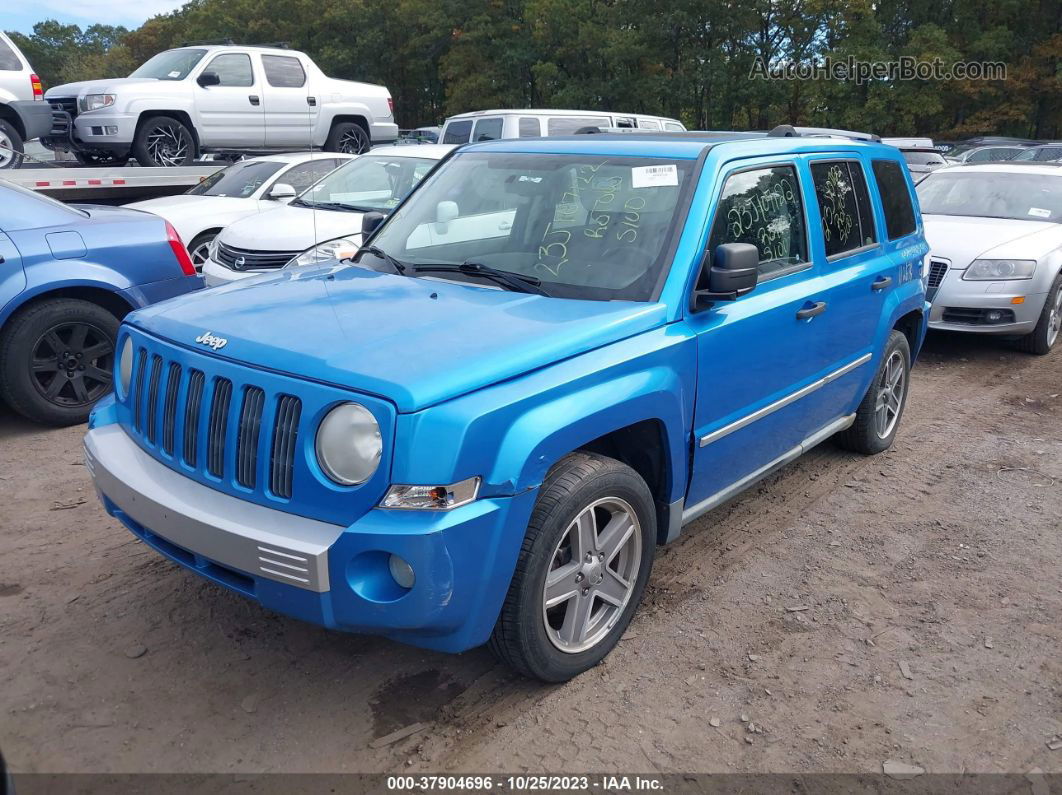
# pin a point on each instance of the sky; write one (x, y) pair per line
(22, 16)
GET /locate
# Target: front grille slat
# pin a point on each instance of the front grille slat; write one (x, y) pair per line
(219, 423)
(169, 408)
(153, 398)
(192, 405)
(138, 390)
(285, 432)
(243, 259)
(247, 436)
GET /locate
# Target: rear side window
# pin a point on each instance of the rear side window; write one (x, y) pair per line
(233, 69)
(568, 125)
(530, 127)
(895, 198)
(649, 124)
(847, 218)
(673, 126)
(458, 132)
(488, 130)
(9, 61)
(762, 206)
(283, 71)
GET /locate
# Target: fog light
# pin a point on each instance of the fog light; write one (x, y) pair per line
(993, 316)
(401, 571)
(110, 130)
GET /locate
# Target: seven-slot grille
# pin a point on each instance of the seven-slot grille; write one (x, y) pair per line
(164, 393)
(242, 259)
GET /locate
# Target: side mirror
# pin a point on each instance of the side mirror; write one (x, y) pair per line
(281, 190)
(731, 272)
(208, 79)
(445, 212)
(370, 222)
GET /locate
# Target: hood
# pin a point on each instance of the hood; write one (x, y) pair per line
(290, 229)
(412, 340)
(94, 86)
(962, 239)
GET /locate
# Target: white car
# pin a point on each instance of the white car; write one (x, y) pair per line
(995, 237)
(245, 188)
(325, 221)
(490, 125)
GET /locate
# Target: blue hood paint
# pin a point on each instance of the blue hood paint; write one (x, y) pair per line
(414, 341)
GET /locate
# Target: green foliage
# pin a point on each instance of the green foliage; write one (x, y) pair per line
(690, 59)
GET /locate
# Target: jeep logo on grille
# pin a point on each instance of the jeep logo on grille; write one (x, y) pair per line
(211, 341)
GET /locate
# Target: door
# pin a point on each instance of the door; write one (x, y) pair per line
(290, 110)
(760, 356)
(230, 113)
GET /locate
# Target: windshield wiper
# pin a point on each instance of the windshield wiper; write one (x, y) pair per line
(399, 266)
(346, 208)
(514, 281)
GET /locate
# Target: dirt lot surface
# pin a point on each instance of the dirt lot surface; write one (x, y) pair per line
(845, 612)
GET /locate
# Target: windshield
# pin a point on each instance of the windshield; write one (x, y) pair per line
(1025, 197)
(586, 226)
(368, 183)
(170, 65)
(238, 181)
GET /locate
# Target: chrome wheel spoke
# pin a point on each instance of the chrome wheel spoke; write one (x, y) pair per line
(584, 533)
(561, 585)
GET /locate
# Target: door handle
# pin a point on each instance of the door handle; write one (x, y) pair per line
(311, 101)
(881, 283)
(254, 99)
(811, 311)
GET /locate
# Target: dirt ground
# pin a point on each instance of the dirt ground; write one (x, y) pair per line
(845, 612)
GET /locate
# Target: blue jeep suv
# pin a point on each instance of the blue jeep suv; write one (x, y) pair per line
(548, 359)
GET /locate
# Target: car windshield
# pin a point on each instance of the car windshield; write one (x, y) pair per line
(992, 194)
(585, 226)
(237, 181)
(372, 182)
(170, 65)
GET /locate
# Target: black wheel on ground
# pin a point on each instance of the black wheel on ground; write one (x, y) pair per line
(349, 138)
(878, 416)
(11, 146)
(57, 359)
(94, 159)
(1043, 338)
(582, 569)
(199, 248)
(164, 141)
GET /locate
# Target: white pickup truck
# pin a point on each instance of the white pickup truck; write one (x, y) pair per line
(217, 98)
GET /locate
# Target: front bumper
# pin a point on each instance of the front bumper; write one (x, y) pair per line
(215, 274)
(956, 295)
(93, 131)
(316, 571)
(35, 117)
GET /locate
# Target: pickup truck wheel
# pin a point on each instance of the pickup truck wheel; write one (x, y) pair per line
(582, 569)
(349, 138)
(878, 416)
(56, 360)
(163, 141)
(1043, 338)
(11, 147)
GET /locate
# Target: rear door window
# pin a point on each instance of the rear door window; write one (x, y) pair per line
(847, 217)
(305, 174)
(488, 129)
(649, 124)
(283, 71)
(458, 132)
(895, 198)
(568, 125)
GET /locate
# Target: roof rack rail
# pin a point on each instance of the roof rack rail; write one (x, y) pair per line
(789, 131)
(280, 45)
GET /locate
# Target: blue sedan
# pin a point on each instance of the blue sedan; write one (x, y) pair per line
(68, 275)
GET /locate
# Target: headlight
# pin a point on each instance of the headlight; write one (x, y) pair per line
(349, 445)
(125, 367)
(96, 101)
(431, 498)
(340, 248)
(984, 270)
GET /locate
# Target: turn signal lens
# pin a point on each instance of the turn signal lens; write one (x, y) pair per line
(1018, 299)
(431, 498)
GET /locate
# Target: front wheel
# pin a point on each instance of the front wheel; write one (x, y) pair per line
(199, 249)
(878, 416)
(11, 146)
(582, 569)
(1045, 335)
(164, 141)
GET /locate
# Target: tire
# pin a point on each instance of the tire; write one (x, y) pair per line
(535, 639)
(197, 249)
(349, 138)
(47, 333)
(92, 159)
(11, 146)
(164, 141)
(1049, 327)
(871, 433)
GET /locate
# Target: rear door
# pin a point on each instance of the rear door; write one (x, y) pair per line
(230, 114)
(290, 116)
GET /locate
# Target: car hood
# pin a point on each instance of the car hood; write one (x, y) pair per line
(290, 229)
(95, 86)
(962, 239)
(414, 341)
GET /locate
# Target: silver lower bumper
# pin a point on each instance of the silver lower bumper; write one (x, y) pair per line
(242, 535)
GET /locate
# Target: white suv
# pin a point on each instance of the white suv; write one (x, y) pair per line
(490, 125)
(23, 116)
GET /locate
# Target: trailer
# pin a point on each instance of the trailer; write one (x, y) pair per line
(112, 184)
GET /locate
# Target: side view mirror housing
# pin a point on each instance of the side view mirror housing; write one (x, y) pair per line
(281, 190)
(731, 271)
(370, 222)
(208, 79)
(445, 212)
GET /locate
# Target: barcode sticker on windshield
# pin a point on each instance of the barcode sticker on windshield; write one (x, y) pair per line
(654, 176)
(1039, 213)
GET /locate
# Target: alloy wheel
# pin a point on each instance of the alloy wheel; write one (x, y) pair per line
(354, 142)
(1054, 320)
(168, 145)
(592, 575)
(7, 152)
(890, 395)
(200, 254)
(72, 364)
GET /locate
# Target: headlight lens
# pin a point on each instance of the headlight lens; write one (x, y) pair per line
(349, 445)
(431, 498)
(340, 248)
(125, 367)
(96, 101)
(999, 269)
